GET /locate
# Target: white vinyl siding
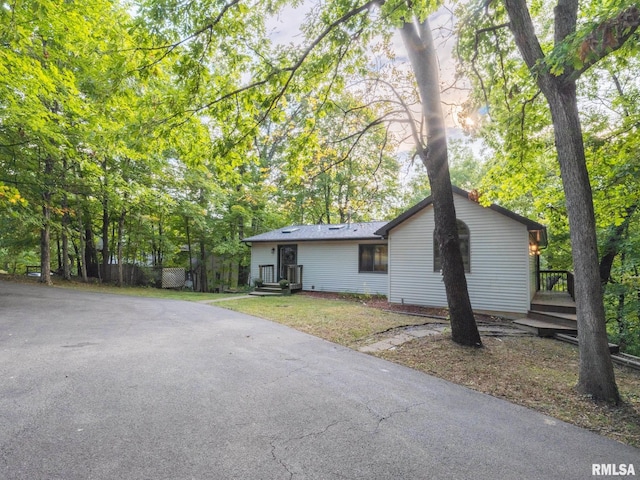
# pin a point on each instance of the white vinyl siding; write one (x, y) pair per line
(261, 255)
(327, 266)
(499, 278)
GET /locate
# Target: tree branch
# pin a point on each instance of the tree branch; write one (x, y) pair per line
(168, 48)
(607, 37)
(524, 32)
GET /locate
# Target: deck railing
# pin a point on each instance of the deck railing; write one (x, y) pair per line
(556, 281)
(294, 275)
(267, 273)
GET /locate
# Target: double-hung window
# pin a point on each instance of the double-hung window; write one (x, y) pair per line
(373, 258)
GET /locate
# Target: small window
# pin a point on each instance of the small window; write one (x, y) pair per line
(465, 250)
(373, 258)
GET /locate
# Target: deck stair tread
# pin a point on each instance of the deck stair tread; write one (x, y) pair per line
(548, 307)
(553, 301)
(566, 319)
(273, 289)
(545, 328)
(551, 313)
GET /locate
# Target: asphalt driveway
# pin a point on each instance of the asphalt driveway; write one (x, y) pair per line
(97, 386)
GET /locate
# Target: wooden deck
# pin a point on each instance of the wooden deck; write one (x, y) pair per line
(553, 314)
(275, 290)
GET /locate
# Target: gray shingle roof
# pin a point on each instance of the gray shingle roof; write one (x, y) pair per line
(373, 230)
(344, 231)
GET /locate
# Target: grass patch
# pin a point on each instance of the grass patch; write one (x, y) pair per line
(537, 373)
(151, 292)
(341, 321)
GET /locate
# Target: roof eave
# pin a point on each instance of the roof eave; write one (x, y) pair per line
(530, 224)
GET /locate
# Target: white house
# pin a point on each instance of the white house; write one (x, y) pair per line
(329, 258)
(398, 259)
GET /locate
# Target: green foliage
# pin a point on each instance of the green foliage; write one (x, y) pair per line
(523, 172)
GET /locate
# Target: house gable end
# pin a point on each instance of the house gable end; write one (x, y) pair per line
(530, 224)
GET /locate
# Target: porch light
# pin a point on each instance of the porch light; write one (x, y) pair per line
(534, 249)
(273, 250)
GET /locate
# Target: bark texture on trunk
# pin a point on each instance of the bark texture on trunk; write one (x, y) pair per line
(123, 214)
(596, 376)
(418, 41)
(204, 281)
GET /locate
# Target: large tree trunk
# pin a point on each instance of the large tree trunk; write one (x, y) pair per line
(45, 246)
(204, 281)
(421, 49)
(105, 241)
(66, 222)
(91, 254)
(82, 256)
(596, 376)
(66, 264)
(45, 230)
(120, 247)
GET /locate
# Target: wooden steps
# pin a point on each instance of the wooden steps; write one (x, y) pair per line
(553, 315)
(545, 328)
(274, 290)
(569, 320)
(268, 290)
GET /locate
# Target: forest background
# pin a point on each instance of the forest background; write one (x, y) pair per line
(162, 132)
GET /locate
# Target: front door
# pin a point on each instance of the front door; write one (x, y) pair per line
(287, 255)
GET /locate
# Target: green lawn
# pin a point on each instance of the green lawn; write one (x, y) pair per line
(126, 290)
(341, 321)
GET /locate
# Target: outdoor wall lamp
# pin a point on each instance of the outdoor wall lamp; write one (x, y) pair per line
(273, 250)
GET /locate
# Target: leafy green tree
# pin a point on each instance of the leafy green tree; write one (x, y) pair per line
(338, 38)
(557, 59)
(333, 169)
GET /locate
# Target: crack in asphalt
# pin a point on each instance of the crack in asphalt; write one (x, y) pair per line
(275, 444)
(279, 460)
(384, 417)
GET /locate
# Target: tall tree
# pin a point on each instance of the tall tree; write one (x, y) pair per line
(420, 46)
(556, 69)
